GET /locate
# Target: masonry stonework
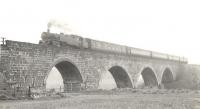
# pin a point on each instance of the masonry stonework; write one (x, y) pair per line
(29, 64)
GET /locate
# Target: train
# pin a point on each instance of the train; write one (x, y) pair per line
(86, 43)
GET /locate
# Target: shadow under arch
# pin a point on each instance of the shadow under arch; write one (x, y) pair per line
(149, 77)
(167, 77)
(121, 77)
(70, 73)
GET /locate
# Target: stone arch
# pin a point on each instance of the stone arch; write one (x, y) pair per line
(121, 77)
(167, 76)
(70, 73)
(149, 77)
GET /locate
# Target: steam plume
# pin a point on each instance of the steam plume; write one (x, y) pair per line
(58, 25)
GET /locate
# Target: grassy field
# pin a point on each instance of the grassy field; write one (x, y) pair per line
(140, 99)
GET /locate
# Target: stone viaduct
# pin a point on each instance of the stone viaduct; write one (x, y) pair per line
(83, 61)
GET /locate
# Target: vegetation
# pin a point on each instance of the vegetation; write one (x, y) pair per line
(117, 99)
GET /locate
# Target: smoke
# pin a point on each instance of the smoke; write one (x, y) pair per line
(62, 26)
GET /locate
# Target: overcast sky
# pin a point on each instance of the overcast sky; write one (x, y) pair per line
(169, 26)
